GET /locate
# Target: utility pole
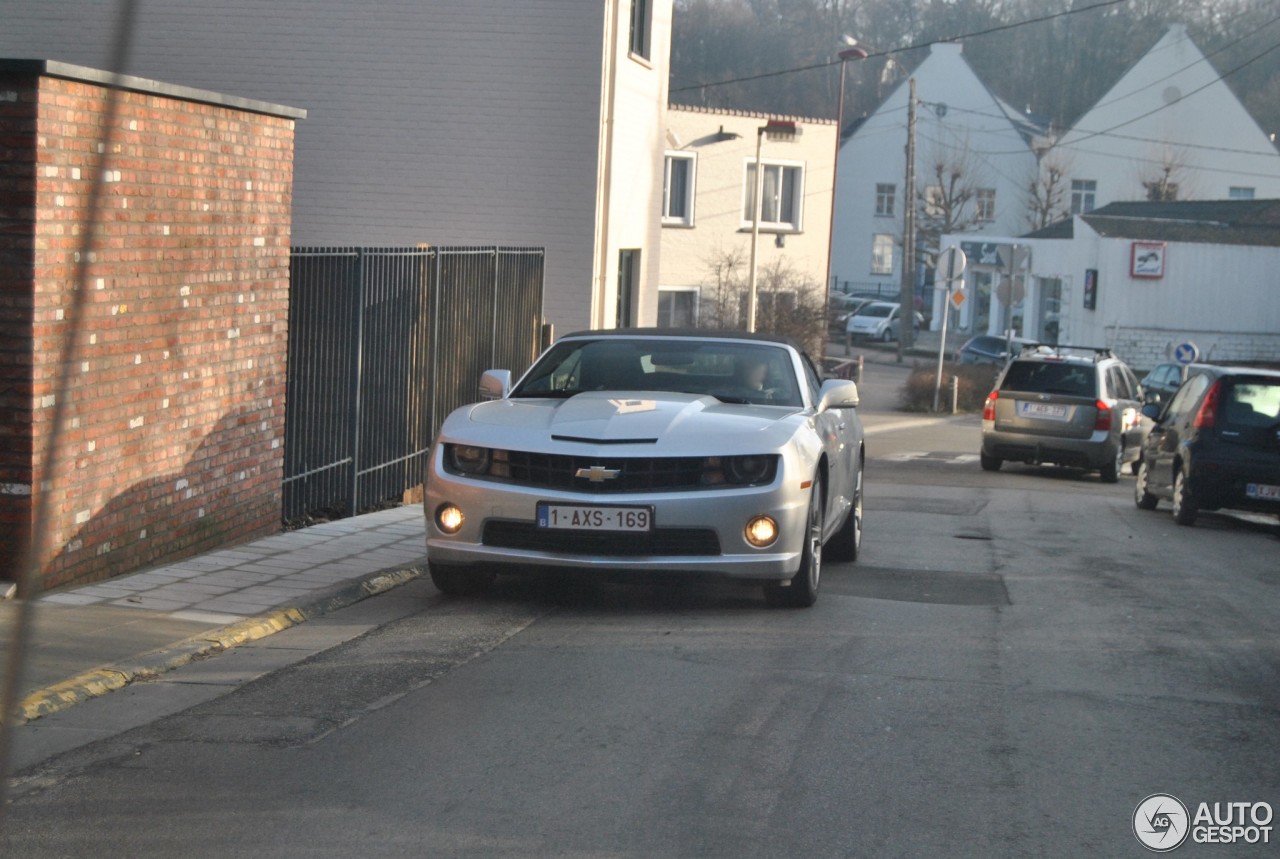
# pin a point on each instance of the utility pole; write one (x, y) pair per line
(907, 293)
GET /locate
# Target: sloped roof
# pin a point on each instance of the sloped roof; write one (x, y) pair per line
(1218, 222)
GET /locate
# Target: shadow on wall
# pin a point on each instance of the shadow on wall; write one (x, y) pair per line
(227, 492)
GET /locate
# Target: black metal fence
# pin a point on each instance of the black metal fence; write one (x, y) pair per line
(383, 344)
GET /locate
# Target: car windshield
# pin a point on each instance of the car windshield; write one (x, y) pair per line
(1044, 377)
(731, 371)
(876, 310)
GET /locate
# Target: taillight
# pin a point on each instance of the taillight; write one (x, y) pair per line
(1208, 413)
(989, 407)
(1103, 421)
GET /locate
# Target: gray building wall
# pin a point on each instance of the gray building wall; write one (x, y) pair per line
(438, 121)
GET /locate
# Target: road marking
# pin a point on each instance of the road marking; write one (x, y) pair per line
(913, 423)
(917, 456)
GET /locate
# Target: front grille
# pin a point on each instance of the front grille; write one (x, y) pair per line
(661, 541)
(639, 474)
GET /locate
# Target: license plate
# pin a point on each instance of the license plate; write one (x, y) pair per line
(1262, 490)
(1042, 410)
(574, 517)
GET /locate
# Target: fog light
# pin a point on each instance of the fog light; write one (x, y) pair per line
(448, 518)
(761, 531)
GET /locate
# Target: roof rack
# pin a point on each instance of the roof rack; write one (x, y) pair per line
(1098, 352)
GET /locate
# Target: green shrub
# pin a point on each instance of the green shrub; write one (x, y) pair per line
(976, 381)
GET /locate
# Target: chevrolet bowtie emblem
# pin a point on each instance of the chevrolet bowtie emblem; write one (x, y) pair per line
(598, 473)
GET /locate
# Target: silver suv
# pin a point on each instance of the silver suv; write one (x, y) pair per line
(1071, 406)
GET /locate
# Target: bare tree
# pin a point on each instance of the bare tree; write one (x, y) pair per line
(1048, 200)
(788, 303)
(946, 197)
(1168, 178)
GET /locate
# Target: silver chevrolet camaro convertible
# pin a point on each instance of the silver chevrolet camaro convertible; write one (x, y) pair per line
(643, 449)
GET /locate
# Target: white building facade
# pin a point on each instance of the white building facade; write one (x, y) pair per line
(960, 124)
(1170, 128)
(707, 196)
(1143, 278)
(483, 122)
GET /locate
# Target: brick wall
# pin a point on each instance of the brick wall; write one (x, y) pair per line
(172, 393)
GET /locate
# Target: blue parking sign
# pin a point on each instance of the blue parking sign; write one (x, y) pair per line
(1186, 353)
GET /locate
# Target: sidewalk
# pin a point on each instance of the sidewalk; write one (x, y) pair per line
(89, 640)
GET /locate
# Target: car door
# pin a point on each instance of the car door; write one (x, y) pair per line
(1123, 388)
(1168, 432)
(836, 428)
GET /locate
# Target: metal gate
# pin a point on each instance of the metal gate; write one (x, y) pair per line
(383, 343)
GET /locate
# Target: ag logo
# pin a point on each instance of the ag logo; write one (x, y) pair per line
(1161, 822)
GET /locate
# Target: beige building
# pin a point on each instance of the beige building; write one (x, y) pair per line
(707, 202)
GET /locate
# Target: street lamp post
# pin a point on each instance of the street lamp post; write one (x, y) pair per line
(755, 232)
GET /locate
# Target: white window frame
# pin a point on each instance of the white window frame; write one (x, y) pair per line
(697, 300)
(667, 218)
(748, 189)
(1241, 192)
(878, 265)
(639, 44)
(1080, 194)
(886, 201)
(985, 203)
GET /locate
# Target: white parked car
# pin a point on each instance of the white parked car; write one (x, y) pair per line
(701, 452)
(879, 321)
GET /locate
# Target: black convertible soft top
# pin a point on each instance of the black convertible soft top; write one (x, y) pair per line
(695, 333)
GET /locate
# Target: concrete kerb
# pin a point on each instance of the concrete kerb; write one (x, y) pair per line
(107, 678)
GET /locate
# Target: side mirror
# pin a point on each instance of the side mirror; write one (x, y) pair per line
(1151, 410)
(495, 384)
(837, 394)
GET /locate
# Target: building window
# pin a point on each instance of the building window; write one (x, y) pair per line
(882, 254)
(677, 307)
(886, 194)
(783, 190)
(1239, 193)
(1082, 195)
(934, 202)
(639, 44)
(986, 200)
(628, 276)
(677, 189)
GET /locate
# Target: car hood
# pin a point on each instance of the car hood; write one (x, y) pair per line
(677, 424)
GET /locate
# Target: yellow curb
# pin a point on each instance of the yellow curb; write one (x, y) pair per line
(100, 681)
(59, 696)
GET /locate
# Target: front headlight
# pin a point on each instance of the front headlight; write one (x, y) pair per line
(751, 470)
(467, 458)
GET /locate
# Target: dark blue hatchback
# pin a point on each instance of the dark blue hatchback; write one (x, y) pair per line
(1215, 444)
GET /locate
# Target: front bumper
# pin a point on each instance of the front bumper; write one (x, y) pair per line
(500, 527)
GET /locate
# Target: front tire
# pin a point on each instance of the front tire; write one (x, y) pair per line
(802, 590)
(887, 336)
(989, 463)
(1141, 495)
(459, 581)
(1184, 504)
(847, 542)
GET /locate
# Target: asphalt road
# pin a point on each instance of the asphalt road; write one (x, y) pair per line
(1015, 662)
